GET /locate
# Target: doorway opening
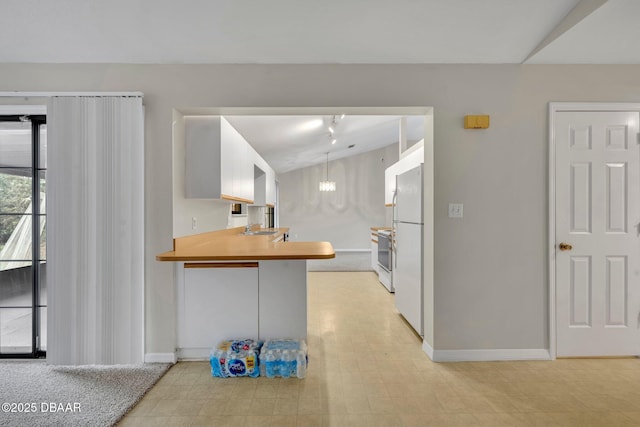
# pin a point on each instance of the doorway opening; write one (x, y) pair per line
(185, 209)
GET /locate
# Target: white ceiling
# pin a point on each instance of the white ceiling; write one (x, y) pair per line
(294, 142)
(328, 31)
(319, 32)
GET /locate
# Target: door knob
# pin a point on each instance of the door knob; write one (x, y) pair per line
(565, 246)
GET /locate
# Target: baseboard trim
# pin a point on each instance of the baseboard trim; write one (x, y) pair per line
(193, 353)
(426, 347)
(160, 358)
(485, 355)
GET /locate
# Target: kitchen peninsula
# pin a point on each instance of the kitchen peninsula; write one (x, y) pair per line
(231, 284)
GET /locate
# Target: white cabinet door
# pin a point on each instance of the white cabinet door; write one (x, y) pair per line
(204, 158)
(227, 156)
(236, 163)
(243, 171)
(259, 179)
(219, 301)
(271, 187)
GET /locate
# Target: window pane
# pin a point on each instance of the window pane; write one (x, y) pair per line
(15, 144)
(43, 147)
(43, 237)
(15, 284)
(15, 237)
(43, 328)
(15, 330)
(15, 191)
(43, 191)
(43, 284)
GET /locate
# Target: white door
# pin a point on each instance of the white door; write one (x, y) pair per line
(597, 224)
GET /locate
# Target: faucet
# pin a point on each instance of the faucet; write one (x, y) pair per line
(247, 228)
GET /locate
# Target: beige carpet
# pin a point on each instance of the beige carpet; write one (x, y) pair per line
(33, 393)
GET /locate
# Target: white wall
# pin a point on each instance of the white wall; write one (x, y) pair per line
(491, 269)
(343, 217)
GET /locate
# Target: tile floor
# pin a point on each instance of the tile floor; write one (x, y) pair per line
(366, 368)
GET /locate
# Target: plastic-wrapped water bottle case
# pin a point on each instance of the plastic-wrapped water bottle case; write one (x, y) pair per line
(274, 358)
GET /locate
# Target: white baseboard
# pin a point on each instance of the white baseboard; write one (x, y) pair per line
(426, 347)
(194, 353)
(485, 355)
(160, 358)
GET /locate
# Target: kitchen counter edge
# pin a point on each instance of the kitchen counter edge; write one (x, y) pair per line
(231, 244)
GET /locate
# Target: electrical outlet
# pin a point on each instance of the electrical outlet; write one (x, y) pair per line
(455, 210)
(194, 222)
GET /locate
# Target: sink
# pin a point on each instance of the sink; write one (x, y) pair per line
(259, 233)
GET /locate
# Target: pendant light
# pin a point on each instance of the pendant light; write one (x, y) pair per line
(327, 185)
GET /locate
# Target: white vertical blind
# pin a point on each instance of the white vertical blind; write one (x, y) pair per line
(95, 235)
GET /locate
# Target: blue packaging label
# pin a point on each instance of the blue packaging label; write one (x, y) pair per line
(236, 367)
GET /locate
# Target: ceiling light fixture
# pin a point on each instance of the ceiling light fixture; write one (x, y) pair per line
(327, 185)
(333, 141)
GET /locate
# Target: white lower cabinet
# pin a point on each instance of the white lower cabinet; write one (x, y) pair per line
(216, 301)
(235, 300)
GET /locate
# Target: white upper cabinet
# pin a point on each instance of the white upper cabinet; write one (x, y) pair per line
(208, 171)
(241, 162)
(259, 180)
(264, 182)
(221, 164)
(271, 187)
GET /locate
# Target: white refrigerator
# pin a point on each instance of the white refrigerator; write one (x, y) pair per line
(407, 255)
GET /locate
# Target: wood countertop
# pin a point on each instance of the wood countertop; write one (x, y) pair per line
(380, 228)
(231, 244)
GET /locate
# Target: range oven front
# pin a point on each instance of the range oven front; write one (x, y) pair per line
(384, 249)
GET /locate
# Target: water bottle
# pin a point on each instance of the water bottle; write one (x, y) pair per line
(287, 362)
(270, 364)
(301, 365)
(262, 361)
(278, 362)
(222, 361)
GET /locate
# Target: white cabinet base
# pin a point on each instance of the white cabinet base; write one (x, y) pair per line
(266, 301)
(215, 304)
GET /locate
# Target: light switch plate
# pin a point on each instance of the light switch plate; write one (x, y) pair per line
(455, 210)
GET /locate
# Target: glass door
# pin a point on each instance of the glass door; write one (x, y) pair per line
(23, 296)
